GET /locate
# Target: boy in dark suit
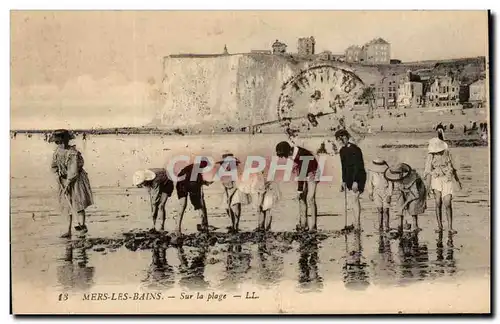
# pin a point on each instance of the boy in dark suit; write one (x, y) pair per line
(353, 172)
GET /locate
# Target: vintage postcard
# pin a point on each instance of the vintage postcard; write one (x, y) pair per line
(250, 162)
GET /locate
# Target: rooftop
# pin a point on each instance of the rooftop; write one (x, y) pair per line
(377, 41)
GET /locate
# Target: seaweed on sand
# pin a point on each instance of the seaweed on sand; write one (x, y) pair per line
(145, 240)
(454, 143)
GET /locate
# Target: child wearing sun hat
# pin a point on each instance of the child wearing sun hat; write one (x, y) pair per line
(160, 188)
(75, 193)
(380, 191)
(410, 191)
(441, 177)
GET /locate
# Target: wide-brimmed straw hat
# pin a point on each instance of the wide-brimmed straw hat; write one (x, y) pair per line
(141, 176)
(397, 172)
(378, 165)
(61, 134)
(436, 145)
(228, 158)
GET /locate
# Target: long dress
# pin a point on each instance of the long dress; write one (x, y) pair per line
(67, 164)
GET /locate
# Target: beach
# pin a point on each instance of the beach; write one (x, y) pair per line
(276, 268)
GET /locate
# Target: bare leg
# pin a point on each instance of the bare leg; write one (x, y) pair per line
(269, 219)
(303, 211)
(162, 211)
(311, 202)
(415, 223)
(386, 215)
(356, 208)
(163, 217)
(439, 214)
(203, 214)
(81, 220)
(449, 213)
(380, 212)
(231, 217)
(183, 204)
(401, 223)
(236, 211)
(155, 215)
(70, 221)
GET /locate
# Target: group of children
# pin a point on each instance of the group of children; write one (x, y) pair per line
(236, 193)
(383, 183)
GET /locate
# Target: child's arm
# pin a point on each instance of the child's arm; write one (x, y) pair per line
(427, 172)
(72, 169)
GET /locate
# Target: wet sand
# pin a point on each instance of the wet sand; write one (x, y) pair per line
(109, 257)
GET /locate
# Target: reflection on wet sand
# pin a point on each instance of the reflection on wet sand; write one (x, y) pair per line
(397, 261)
(74, 273)
(355, 272)
(414, 258)
(193, 276)
(270, 263)
(445, 265)
(237, 265)
(384, 269)
(160, 274)
(309, 277)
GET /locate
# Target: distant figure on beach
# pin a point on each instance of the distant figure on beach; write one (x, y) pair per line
(410, 193)
(84, 136)
(75, 193)
(380, 191)
(452, 126)
(160, 188)
(440, 131)
(465, 129)
(440, 176)
(381, 127)
(192, 187)
(307, 184)
(353, 172)
(233, 197)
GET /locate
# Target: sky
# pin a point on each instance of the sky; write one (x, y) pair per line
(101, 68)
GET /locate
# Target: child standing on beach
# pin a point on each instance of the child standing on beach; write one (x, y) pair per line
(233, 197)
(441, 176)
(353, 172)
(380, 191)
(160, 188)
(75, 193)
(267, 195)
(410, 190)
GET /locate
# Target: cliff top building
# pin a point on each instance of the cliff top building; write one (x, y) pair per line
(376, 51)
(353, 54)
(306, 46)
(279, 47)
